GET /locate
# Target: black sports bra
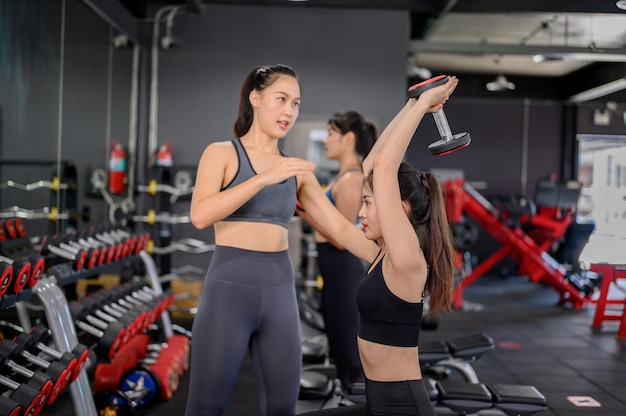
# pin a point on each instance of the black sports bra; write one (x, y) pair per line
(384, 317)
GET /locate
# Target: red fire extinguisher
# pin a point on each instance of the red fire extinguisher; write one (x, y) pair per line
(117, 168)
(164, 155)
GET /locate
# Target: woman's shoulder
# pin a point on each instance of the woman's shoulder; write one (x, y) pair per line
(218, 150)
(220, 146)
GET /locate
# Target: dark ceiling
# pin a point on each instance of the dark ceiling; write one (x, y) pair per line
(451, 21)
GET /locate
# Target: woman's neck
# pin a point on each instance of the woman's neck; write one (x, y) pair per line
(349, 162)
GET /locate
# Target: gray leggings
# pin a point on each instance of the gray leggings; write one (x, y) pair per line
(248, 302)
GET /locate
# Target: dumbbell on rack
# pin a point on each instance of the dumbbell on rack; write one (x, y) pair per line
(21, 273)
(109, 335)
(106, 307)
(39, 381)
(36, 341)
(93, 258)
(51, 245)
(51, 383)
(14, 228)
(28, 398)
(108, 252)
(9, 407)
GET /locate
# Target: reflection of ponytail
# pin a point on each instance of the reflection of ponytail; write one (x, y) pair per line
(421, 190)
(365, 132)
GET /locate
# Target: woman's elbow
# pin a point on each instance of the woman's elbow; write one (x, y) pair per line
(198, 221)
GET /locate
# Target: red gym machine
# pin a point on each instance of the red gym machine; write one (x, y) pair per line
(525, 235)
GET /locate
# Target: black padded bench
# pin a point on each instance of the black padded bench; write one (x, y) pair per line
(468, 398)
(436, 357)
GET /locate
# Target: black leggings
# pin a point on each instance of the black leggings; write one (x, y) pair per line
(387, 398)
(342, 272)
(248, 302)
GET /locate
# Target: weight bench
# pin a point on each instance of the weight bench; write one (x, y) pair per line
(438, 357)
(463, 398)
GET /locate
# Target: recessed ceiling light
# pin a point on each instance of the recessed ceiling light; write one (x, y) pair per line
(621, 4)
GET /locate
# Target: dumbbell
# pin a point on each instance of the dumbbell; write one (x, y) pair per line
(14, 228)
(144, 315)
(60, 372)
(153, 307)
(29, 399)
(93, 254)
(93, 308)
(131, 319)
(9, 407)
(6, 276)
(42, 383)
(97, 255)
(49, 245)
(106, 238)
(107, 375)
(110, 335)
(160, 378)
(107, 251)
(37, 341)
(449, 142)
(21, 272)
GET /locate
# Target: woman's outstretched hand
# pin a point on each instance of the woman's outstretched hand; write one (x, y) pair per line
(437, 97)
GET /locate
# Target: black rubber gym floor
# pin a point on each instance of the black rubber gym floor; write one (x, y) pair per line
(538, 343)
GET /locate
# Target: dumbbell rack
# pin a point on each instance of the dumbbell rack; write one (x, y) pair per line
(65, 336)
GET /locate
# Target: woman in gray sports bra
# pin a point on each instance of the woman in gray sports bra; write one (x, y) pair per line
(403, 209)
(246, 189)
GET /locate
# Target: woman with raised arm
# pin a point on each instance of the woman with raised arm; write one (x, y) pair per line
(403, 210)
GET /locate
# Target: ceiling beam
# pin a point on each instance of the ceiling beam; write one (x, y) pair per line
(484, 48)
(536, 6)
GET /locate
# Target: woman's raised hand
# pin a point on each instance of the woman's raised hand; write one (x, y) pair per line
(436, 97)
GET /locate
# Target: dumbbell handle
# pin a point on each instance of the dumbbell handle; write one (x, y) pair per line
(90, 329)
(109, 309)
(62, 253)
(442, 125)
(19, 369)
(7, 382)
(35, 360)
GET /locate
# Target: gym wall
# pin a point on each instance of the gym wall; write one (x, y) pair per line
(55, 99)
(346, 59)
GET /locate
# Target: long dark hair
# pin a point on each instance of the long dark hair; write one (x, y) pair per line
(424, 195)
(364, 131)
(258, 79)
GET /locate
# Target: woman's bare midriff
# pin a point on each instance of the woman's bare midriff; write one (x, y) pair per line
(256, 236)
(389, 363)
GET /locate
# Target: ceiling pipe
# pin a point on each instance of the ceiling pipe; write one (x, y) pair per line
(484, 48)
(154, 78)
(433, 23)
(599, 91)
(117, 16)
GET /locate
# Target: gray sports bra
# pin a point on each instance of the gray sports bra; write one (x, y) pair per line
(274, 204)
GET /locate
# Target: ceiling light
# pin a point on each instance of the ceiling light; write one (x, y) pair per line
(589, 57)
(599, 91)
(500, 84)
(621, 4)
